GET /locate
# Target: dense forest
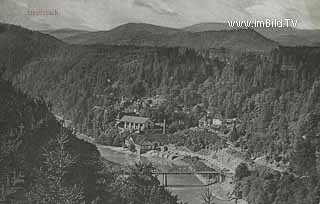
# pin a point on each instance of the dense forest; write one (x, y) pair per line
(266, 186)
(42, 162)
(275, 95)
(27, 129)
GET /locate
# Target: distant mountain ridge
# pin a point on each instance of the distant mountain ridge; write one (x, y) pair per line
(285, 36)
(143, 34)
(201, 27)
(64, 32)
(150, 35)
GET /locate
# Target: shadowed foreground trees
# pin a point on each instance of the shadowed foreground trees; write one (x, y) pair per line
(54, 167)
(137, 186)
(50, 186)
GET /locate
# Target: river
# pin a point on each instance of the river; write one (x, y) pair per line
(192, 195)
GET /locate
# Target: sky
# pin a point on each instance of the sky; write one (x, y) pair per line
(107, 14)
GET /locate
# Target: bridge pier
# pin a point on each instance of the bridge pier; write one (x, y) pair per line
(164, 180)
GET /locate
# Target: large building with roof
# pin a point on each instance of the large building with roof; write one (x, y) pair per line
(136, 123)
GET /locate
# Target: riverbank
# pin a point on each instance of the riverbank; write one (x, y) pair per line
(190, 195)
(220, 190)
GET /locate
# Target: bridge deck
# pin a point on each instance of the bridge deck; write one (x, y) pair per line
(190, 186)
(187, 173)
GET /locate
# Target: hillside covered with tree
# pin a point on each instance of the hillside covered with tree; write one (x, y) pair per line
(29, 139)
(43, 162)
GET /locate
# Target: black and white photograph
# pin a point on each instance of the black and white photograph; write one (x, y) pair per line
(159, 102)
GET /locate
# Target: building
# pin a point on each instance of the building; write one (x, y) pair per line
(136, 123)
(229, 123)
(141, 146)
(206, 122)
(145, 146)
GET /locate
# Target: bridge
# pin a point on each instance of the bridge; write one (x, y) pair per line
(217, 177)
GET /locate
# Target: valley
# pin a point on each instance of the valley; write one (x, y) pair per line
(232, 99)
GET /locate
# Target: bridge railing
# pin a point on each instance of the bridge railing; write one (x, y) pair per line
(217, 176)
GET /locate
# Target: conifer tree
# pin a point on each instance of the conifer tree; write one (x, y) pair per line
(207, 197)
(50, 186)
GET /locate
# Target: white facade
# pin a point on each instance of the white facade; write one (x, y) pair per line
(136, 123)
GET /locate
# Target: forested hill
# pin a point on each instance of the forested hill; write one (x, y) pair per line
(285, 36)
(41, 161)
(28, 133)
(151, 35)
(19, 46)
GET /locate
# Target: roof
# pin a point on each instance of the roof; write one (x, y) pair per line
(134, 119)
(146, 143)
(216, 122)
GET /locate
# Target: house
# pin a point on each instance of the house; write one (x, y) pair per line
(141, 145)
(229, 123)
(136, 123)
(206, 122)
(145, 146)
(155, 100)
(216, 122)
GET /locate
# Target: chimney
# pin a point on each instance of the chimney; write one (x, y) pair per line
(164, 126)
